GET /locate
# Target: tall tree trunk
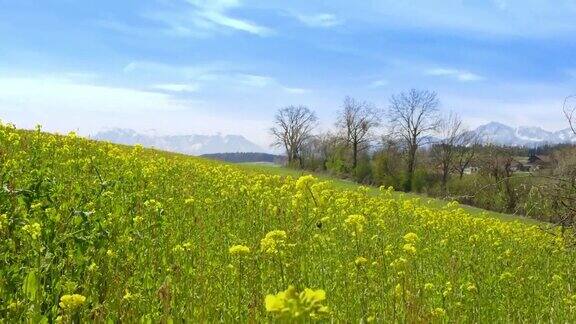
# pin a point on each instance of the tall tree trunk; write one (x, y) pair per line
(354, 155)
(288, 154)
(445, 172)
(510, 194)
(411, 167)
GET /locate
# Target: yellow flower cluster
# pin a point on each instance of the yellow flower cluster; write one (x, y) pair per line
(438, 312)
(409, 248)
(71, 302)
(3, 221)
(304, 182)
(411, 238)
(273, 242)
(360, 261)
(33, 230)
(355, 223)
(291, 304)
(239, 250)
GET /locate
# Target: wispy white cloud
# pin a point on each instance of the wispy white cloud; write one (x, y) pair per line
(460, 75)
(252, 80)
(203, 18)
(64, 93)
(215, 4)
(296, 90)
(379, 83)
(123, 28)
(177, 87)
(206, 76)
(319, 20)
(221, 19)
(206, 71)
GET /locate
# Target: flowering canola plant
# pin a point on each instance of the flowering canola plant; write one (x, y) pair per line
(291, 304)
(96, 232)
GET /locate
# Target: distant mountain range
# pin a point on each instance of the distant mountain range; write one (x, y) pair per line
(243, 157)
(501, 134)
(187, 144)
(494, 132)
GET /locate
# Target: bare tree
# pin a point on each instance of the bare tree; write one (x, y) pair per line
(452, 136)
(318, 149)
(387, 163)
(499, 163)
(357, 121)
(413, 116)
(327, 144)
(293, 127)
(569, 109)
(563, 193)
(465, 154)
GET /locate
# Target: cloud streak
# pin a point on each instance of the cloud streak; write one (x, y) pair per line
(460, 75)
(323, 20)
(379, 83)
(205, 18)
(176, 87)
(208, 76)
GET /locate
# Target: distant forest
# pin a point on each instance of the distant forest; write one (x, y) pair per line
(243, 157)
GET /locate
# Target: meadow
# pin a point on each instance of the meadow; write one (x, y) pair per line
(95, 232)
(347, 184)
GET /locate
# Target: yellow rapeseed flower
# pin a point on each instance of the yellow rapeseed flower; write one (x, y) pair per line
(304, 182)
(355, 223)
(360, 261)
(411, 238)
(189, 201)
(470, 287)
(398, 290)
(71, 302)
(128, 296)
(291, 304)
(311, 296)
(399, 263)
(409, 248)
(3, 220)
(506, 275)
(239, 250)
(34, 230)
(273, 242)
(438, 312)
(275, 303)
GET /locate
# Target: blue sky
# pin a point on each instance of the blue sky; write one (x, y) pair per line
(192, 66)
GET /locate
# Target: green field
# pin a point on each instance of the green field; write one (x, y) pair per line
(96, 232)
(275, 169)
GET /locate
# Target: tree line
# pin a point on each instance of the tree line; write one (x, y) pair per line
(411, 146)
(411, 122)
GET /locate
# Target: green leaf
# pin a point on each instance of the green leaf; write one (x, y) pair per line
(31, 285)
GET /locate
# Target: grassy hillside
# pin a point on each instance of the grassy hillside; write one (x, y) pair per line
(276, 169)
(93, 231)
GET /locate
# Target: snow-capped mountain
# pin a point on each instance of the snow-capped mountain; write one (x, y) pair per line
(501, 134)
(187, 144)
